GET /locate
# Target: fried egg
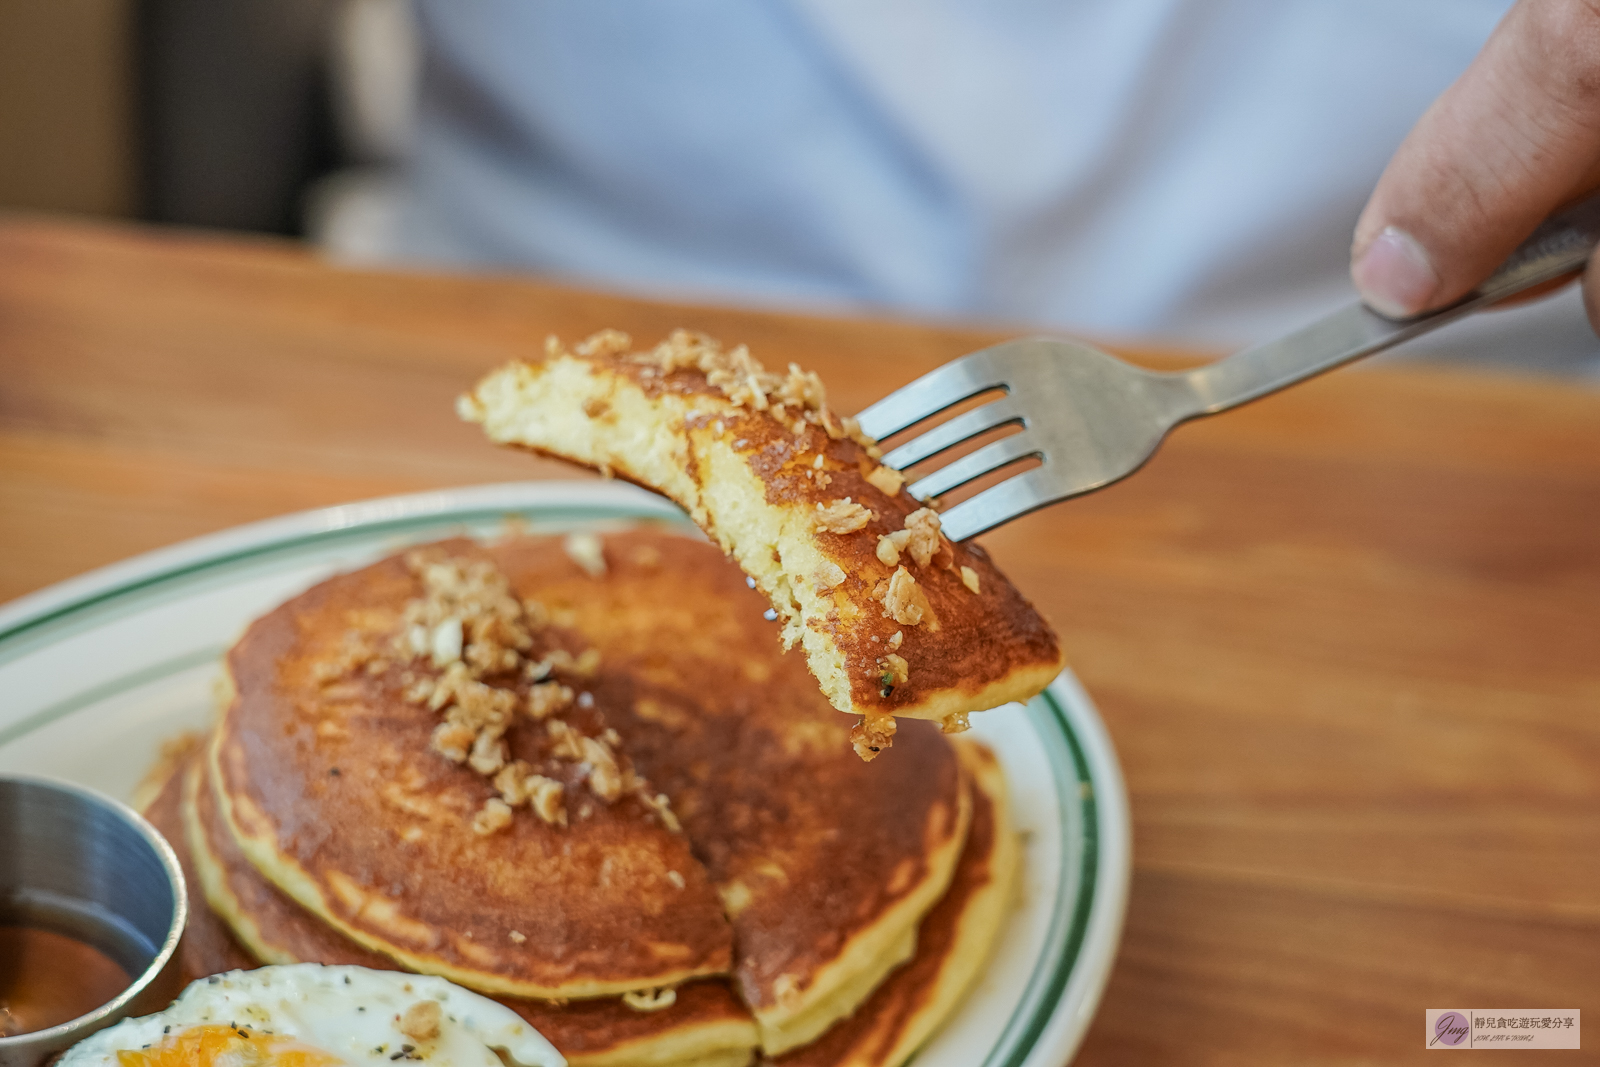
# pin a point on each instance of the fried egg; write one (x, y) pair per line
(308, 1015)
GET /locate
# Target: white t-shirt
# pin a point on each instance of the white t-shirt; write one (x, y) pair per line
(1190, 169)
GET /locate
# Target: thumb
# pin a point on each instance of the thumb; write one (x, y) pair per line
(1515, 137)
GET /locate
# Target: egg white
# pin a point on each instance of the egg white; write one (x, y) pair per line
(352, 1013)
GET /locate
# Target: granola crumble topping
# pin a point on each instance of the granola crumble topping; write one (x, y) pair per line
(650, 999)
(886, 481)
(830, 574)
(787, 990)
(796, 399)
(606, 342)
(889, 546)
(488, 754)
(518, 785)
(356, 652)
(584, 665)
(466, 646)
(494, 816)
(842, 516)
(969, 578)
(922, 530)
(902, 600)
(873, 734)
(585, 550)
(421, 1021)
(921, 537)
(663, 809)
(547, 698)
(606, 777)
(955, 724)
(566, 745)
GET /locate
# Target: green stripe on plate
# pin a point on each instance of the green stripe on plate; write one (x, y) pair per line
(123, 599)
(1064, 940)
(93, 695)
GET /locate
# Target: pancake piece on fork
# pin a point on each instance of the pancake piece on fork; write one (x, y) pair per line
(895, 620)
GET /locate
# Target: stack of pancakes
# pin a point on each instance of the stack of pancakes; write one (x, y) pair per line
(660, 848)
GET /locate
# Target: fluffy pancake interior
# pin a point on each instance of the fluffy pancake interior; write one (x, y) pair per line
(643, 438)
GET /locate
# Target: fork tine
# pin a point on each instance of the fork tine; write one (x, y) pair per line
(992, 455)
(999, 504)
(931, 394)
(952, 433)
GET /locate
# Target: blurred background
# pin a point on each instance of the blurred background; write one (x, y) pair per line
(1170, 170)
(215, 114)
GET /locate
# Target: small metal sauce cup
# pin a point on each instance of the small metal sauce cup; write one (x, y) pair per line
(83, 865)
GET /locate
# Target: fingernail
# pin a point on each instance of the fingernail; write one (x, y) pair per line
(1394, 275)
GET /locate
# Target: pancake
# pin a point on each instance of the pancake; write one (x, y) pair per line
(895, 620)
(207, 946)
(327, 776)
(953, 942)
(704, 1024)
(822, 864)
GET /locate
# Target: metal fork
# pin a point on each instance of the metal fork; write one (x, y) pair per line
(1092, 419)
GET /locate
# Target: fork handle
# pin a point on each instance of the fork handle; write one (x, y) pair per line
(1561, 245)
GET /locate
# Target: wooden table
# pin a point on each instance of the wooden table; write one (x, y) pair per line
(1347, 640)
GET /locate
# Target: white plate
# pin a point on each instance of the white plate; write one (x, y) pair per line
(97, 671)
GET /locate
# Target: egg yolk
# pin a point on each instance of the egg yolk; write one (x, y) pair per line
(225, 1046)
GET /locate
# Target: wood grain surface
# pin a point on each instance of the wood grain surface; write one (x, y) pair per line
(1347, 640)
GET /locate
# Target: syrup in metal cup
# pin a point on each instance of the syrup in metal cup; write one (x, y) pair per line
(92, 902)
(48, 978)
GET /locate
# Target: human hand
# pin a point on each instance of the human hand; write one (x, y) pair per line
(1516, 137)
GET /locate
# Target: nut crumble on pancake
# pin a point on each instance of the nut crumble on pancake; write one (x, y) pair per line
(796, 495)
(470, 639)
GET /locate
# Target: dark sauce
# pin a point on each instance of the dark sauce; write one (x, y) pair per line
(47, 979)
